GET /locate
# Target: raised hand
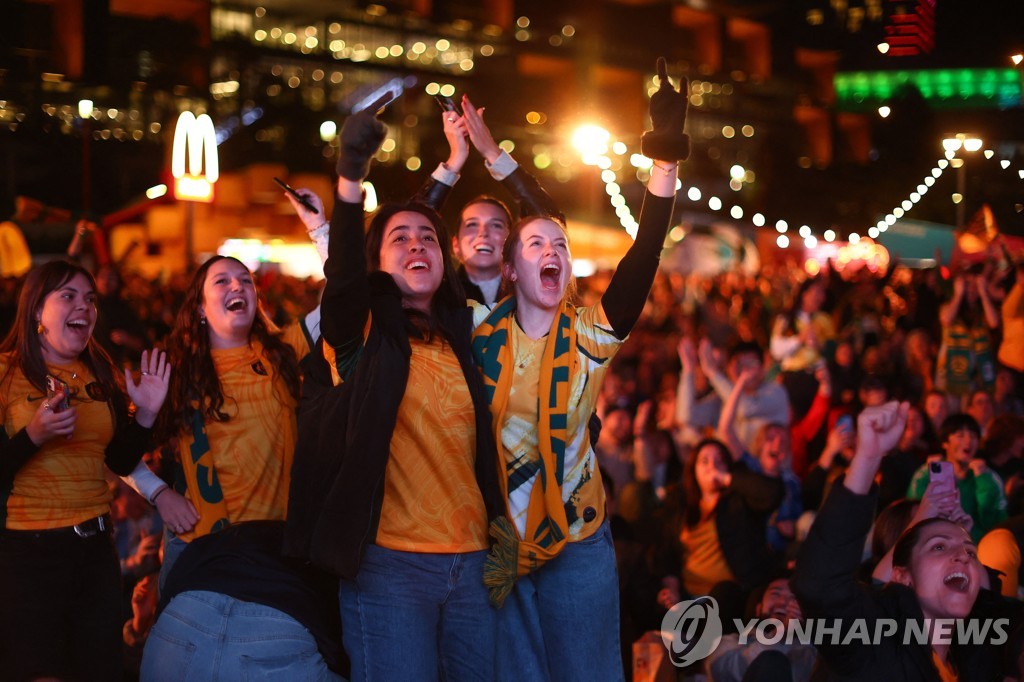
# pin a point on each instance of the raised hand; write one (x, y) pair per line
(687, 354)
(149, 391)
(479, 134)
(707, 355)
(456, 132)
(667, 141)
(360, 138)
(879, 428)
(309, 219)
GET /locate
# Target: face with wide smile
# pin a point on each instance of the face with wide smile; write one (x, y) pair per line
(541, 265)
(68, 316)
(779, 602)
(411, 254)
(944, 571)
(229, 303)
(482, 233)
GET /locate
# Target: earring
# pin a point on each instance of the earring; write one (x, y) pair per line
(39, 327)
(202, 321)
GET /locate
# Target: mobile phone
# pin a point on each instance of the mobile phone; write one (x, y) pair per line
(942, 472)
(298, 197)
(54, 386)
(448, 104)
(845, 423)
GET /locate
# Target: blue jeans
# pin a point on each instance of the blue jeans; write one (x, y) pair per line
(211, 636)
(411, 616)
(173, 547)
(561, 622)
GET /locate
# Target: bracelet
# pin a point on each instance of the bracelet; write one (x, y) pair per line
(667, 170)
(159, 493)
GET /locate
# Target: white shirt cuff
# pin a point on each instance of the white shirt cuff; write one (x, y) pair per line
(502, 167)
(445, 175)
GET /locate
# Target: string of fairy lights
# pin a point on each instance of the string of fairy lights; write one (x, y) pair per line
(596, 143)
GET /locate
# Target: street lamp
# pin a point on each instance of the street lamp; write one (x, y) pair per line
(952, 145)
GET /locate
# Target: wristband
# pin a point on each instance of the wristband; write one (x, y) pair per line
(159, 493)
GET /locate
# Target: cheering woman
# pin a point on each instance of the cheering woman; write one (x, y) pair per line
(543, 361)
(67, 412)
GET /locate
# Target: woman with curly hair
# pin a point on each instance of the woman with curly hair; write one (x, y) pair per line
(232, 411)
(67, 413)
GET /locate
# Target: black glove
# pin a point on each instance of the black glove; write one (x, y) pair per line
(667, 141)
(361, 137)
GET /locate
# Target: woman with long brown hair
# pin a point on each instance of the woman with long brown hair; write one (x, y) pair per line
(67, 412)
(232, 415)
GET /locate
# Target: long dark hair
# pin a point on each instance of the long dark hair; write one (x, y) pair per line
(450, 294)
(691, 512)
(194, 380)
(22, 341)
(798, 299)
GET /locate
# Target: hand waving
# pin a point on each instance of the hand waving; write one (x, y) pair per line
(149, 391)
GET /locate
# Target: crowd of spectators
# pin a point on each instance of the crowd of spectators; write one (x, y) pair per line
(726, 418)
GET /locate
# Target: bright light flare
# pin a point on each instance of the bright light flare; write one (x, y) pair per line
(591, 140)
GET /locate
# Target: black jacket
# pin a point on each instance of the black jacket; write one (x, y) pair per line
(826, 587)
(345, 431)
(741, 519)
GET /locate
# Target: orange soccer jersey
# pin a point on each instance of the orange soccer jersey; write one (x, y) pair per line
(252, 452)
(432, 502)
(63, 483)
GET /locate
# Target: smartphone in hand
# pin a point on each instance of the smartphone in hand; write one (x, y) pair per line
(298, 197)
(448, 104)
(942, 472)
(53, 387)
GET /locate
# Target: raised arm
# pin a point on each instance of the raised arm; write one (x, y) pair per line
(667, 145)
(529, 196)
(947, 314)
(435, 191)
(727, 418)
(345, 303)
(825, 582)
(991, 312)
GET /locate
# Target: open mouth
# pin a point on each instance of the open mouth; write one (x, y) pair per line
(418, 265)
(549, 276)
(78, 325)
(484, 248)
(958, 582)
(236, 304)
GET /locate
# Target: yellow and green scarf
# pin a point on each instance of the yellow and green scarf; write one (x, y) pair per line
(546, 524)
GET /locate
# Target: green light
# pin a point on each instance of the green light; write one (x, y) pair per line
(945, 88)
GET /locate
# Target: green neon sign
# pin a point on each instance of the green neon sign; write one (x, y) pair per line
(943, 88)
